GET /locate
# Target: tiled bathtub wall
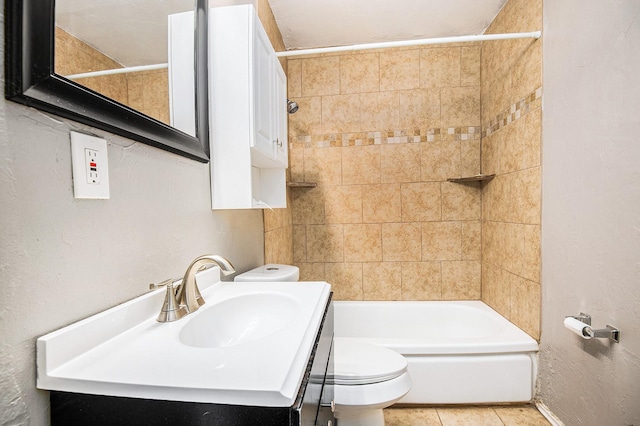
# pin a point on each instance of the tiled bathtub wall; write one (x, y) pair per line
(511, 143)
(277, 223)
(380, 132)
(146, 91)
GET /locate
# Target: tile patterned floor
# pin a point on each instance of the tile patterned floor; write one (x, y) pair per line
(526, 415)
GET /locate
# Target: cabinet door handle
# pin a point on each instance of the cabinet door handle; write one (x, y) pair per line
(333, 406)
(278, 142)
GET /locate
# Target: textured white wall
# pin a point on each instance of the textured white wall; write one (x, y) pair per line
(63, 259)
(591, 209)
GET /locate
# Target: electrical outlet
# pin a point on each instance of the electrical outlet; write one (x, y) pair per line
(90, 166)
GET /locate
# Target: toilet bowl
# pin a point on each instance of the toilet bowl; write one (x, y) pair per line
(366, 378)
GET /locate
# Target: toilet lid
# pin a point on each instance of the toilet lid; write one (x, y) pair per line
(358, 363)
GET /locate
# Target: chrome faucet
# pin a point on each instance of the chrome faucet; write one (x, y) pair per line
(186, 298)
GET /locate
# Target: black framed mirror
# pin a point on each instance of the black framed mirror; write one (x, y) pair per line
(30, 79)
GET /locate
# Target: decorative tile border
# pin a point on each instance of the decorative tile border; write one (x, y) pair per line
(334, 140)
(513, 113)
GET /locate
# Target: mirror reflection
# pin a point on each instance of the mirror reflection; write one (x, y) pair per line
(122, 49)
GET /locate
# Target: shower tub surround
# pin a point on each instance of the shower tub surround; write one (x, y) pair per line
(459, 352)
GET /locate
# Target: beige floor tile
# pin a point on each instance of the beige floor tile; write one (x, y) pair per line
(411, 417)
(521, 416)
(469, 416)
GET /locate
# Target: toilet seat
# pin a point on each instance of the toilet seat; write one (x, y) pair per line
(358, 363)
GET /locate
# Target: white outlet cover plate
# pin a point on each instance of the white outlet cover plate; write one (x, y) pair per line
(81, 187)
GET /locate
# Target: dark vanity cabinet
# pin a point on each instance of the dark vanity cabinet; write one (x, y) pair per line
(313, 404)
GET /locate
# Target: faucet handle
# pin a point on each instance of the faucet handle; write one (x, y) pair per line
(171, 309)
(153, 286)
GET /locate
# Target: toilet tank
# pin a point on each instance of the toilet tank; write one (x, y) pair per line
(270, 272)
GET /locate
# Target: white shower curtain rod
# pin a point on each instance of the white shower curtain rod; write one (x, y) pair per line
(117, 71)
(420, 42)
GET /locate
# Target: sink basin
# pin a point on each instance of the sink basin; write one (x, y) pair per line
(239, 320)
(248, 345)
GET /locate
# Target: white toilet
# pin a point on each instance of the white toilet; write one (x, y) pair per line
(366, 378)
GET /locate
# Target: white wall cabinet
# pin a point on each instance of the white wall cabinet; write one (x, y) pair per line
(247, 108)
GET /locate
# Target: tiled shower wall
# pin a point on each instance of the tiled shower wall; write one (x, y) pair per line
(147, 91)
(511, 143)
(277, 223)
(380, 132)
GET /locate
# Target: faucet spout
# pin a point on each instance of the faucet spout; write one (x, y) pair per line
(188, 292)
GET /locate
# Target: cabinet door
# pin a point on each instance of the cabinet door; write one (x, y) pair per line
(280, 109)
(263, 77)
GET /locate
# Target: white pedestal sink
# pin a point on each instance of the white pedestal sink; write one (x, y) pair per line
(249, 345)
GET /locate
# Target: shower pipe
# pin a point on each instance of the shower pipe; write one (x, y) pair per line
(424, 41)
(383, 45)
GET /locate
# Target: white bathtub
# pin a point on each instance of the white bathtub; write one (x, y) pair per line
(458, 352)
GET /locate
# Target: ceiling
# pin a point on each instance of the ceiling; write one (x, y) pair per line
(134, 32)
(324, 23)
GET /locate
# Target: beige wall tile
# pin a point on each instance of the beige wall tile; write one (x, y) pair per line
(470, 158)
(341, 114)
(325, 243)
(511, 246)
(307, 206)
(421, 201)
(343, 204)
(345, 280)
(312, 271)
(362, 242)
(511, 148)
(496, 285)
(421, 281)
(296, 164)
(420, 109)
(320, 76)
(361, 165)
(381, 203)
(401, 242)
(491, 153)
(440, 67)
(308, 119)
(460, 106)
(278, 246)
(461, 201)
(441, 241)
(382, 281)
(496, 95)
(527, 71)
(399, 69)
(439, 160)
(531, 257)
(294, 78)
(400, 162)
(461, 280)
(265, 14)
(299, 243)
(380, 111)
(532, 138)
(470, 66)
(496, 198)
(526, 196)
(276, 218)
(471, 240)
(525, 306)
(323, 165)
(360, 73)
